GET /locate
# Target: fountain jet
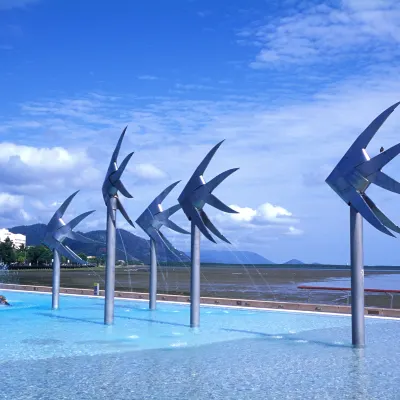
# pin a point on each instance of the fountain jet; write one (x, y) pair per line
(57, 231)
(151, 220)
(195, 195)
(350, 179)
(111, 186)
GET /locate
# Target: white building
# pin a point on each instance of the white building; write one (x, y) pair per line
(16, 238)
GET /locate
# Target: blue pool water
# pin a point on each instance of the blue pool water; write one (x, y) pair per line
(236, 354)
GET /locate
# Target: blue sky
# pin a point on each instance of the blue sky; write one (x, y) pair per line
(288, 84)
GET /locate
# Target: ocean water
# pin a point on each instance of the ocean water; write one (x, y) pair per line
(235, 354)
(371, 281)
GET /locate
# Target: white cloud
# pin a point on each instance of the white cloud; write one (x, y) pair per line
(311, 33)
(269, 212)
(103, 97)
(10, 202)
(89, 109)
(38, 205)
(245, 214)
(294, 231)
(265, 214)
(44, 158)
(31, 170)
(25, 216)
(147, 77)
(192, 86)
(12, 209)
(148, 171)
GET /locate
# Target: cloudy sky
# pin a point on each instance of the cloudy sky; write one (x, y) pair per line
(289, 84)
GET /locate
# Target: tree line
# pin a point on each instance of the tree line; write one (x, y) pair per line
(32, 255)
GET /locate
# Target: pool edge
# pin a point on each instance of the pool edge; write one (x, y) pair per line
(326, 309)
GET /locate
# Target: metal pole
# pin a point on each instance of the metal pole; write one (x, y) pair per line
(110, 263)
(56, 280)
(357, 278)
(153, 276)
(195, 278)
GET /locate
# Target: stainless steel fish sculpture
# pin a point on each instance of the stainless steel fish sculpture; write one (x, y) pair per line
(356, 171)
(57, 231)
(112, 182)
(197, 193)
(154, 217)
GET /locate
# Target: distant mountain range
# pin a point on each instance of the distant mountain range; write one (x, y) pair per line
(232, 257)
(294, 262)
(129, 246)
(134, 248)
(239, 257)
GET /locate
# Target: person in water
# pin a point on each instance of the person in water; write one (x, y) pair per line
(4, 302)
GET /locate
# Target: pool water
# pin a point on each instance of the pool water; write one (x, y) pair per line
(235, 354)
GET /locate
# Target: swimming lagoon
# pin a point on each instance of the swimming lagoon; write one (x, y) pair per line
(235, 354)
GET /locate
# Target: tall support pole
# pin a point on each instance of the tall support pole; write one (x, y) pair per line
(153, 276)
(110, 263)
(195, 278)
(56, 280)
(357, 278)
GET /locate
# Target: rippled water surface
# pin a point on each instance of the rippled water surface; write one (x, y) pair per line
(236, 354)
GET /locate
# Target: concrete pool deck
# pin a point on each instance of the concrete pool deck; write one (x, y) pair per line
(274, 305)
